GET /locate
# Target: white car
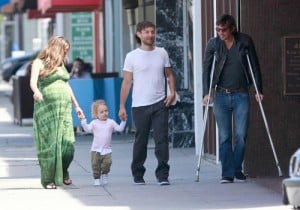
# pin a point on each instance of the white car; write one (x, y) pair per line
(291, 186)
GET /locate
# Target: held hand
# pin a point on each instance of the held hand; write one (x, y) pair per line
(79, 112)
(207, 100)
(259, 97)
(38, 96)
(81, 116)
(122, 114)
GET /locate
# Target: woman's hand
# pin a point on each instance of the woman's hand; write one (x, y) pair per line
(80, 115)
(79, 111)
(38, 96)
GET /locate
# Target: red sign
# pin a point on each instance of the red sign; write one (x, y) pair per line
(69, 5)
(35, 14)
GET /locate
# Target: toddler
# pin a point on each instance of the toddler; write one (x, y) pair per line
(102, 128)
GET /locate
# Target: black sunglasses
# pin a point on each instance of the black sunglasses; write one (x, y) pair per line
(222, 29)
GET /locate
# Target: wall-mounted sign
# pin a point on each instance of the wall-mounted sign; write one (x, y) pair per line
(82, 36)
(291, 65)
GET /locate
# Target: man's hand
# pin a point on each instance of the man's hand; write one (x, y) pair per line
(259, 97)
(207, 100)
(169, 100)
(122, 114)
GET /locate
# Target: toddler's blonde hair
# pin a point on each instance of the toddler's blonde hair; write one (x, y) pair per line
(95, 106)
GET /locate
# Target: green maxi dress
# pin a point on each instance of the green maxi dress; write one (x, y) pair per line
(53, 128)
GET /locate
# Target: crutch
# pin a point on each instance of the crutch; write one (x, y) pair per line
(205, 118)
(264, 117)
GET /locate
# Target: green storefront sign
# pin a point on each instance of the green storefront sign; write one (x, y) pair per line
(82, 36)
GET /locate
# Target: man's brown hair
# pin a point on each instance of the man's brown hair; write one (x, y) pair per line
(141, 26)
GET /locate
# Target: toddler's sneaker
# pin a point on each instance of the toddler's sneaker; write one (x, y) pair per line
(96, 182)
(104, 179)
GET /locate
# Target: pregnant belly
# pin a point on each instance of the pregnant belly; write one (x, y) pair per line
(56, 91)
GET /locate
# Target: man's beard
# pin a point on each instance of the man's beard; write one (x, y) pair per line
(148, 42)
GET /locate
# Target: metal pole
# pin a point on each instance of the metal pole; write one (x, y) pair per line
(197, 72)
(205, 119)
(264, 117)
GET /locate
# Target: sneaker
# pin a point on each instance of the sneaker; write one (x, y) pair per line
(240, 176)
(104, 179)
(163, 182)
(139, 181)
(226, 180)
(96, 182)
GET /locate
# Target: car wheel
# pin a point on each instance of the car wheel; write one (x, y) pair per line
(285, 199)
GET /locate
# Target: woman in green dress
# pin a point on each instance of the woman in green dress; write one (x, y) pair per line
(53, 125)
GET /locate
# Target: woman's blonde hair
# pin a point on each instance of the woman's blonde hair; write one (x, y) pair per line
(95, 106)
(54, 54)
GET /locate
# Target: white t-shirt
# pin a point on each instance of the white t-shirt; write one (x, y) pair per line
(148, 75)
(102, 131)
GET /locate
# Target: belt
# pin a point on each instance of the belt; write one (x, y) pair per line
(226, 90)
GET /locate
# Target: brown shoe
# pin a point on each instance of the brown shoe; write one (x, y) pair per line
(67, 181)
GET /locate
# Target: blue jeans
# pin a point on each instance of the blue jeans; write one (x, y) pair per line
(232, 110)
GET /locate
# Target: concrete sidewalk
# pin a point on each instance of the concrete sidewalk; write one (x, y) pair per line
(20, 178)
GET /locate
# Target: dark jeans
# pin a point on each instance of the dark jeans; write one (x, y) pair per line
(228, 107)
(146, 117)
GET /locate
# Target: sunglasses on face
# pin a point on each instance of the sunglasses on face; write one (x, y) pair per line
(219, 29)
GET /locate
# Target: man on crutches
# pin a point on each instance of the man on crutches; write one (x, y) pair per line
(231, 80)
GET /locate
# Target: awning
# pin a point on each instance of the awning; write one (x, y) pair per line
(35, 14)
(69, 5)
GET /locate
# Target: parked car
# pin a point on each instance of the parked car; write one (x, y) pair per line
(291, 186)
(24, 70)
(10, 65)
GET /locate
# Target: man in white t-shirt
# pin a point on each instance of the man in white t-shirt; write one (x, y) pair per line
(145, 69)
